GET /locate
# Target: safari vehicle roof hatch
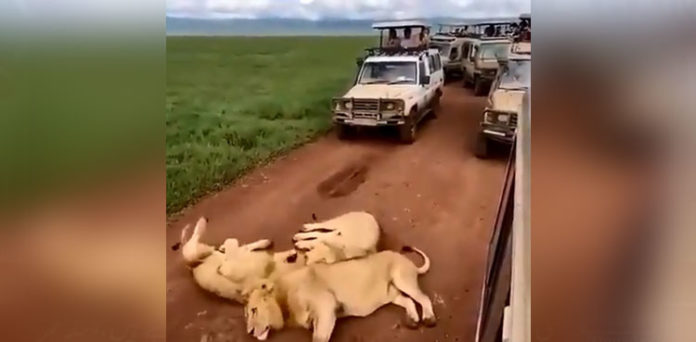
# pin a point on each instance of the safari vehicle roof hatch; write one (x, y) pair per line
(383, 25)
(521, 50)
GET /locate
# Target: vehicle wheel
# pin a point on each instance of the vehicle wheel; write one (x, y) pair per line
(435, 106)
(407, 131)
(344, 132)
(479, 87)
(481, 147)
(465, 80)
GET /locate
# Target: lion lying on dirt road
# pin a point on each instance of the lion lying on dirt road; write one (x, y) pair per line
(226, 271)
(314, 296)
(351, 235)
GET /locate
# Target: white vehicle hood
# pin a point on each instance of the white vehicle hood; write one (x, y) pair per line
(507, 100)
(383, 91)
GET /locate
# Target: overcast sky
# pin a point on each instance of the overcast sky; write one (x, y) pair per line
(349, 9)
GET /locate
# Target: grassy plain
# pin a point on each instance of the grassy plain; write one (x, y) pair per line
(233, 103)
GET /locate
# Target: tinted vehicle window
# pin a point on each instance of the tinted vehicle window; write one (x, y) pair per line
(431, 64)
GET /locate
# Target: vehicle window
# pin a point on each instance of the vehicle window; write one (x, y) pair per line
(474, 51)
(431, 64)
(438, 62)
(421, 69)
(388, 72)
(494, 51)
(453, 53)
(465, 49)
(442, 48)
(517, 75)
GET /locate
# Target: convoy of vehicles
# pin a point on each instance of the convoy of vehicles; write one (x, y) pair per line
(454, 41)
(395, 86)
(506, 97)
(401, 81)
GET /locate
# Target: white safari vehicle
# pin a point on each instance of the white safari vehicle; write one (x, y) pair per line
(505, 100)
(449, 40)
(398, 84)
(489, 42)
(454, 40)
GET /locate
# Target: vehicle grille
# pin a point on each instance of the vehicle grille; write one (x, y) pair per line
(374, 116)
(367, 105)
(513, 120)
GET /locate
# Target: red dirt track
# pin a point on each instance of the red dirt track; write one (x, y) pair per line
(433, 194)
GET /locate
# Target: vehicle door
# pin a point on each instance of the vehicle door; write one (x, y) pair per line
(455, 56)
(464, 53)
(471, 65)
(437, 74)
(424, 89)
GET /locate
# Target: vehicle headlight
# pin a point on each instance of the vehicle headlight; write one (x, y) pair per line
(348, 104)
(503, 118)
(490, 117)
(390, 106)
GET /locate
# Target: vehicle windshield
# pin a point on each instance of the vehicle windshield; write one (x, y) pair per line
(517, 75)
(444, 48)
(494, 51)
(388, 73)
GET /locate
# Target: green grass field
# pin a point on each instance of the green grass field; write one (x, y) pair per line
(235, 102)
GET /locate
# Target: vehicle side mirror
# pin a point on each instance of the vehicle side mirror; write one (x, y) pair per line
(425, 80)
(359, 61)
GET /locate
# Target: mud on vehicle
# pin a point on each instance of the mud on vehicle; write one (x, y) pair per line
(505, 101)
(394, 86)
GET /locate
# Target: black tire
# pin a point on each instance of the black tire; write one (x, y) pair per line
(344, 132)
(407, 131)
(465, 80)
(435, 106)
(481, 150)
(479, 87)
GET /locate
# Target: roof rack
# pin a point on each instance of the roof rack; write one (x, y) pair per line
(381, 25)
(397, 51)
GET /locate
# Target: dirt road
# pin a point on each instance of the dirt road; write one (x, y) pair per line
(433, 194)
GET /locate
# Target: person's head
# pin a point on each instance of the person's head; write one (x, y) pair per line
(407, 33)
(392, 33)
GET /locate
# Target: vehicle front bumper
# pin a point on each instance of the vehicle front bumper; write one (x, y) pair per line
(500, 133)
(453, 67)
(351, 120)
(488, 75)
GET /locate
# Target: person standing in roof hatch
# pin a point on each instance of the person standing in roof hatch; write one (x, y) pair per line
(393, 40)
